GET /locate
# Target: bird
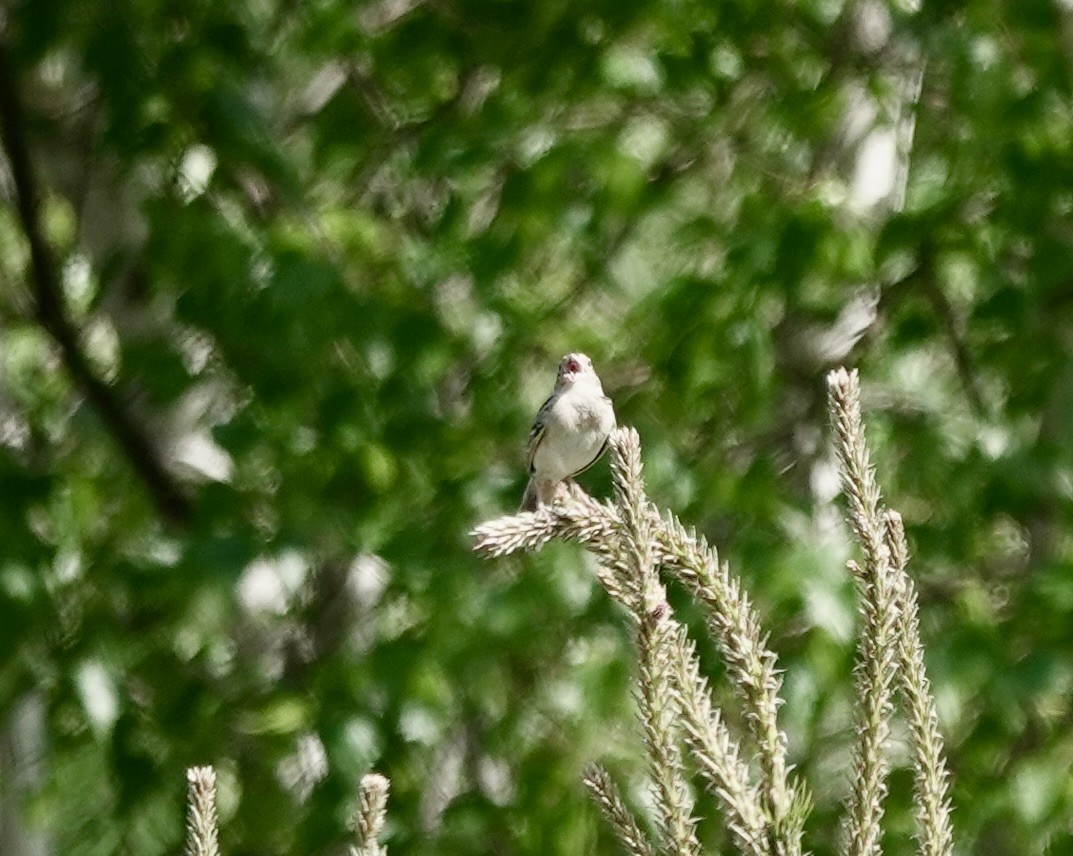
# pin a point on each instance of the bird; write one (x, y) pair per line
(570, 432)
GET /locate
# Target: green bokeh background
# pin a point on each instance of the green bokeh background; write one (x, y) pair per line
(327, 256)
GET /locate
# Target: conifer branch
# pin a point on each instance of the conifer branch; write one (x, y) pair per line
(369, 818)
(202, 834)
(606, 795)
(877, 657)
(935, 833)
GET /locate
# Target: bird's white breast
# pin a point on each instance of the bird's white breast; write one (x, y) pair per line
(576, 427)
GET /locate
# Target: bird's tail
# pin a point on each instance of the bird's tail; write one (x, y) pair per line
(541, 493)
(529, 498)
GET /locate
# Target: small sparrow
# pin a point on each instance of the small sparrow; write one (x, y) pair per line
(570, 432)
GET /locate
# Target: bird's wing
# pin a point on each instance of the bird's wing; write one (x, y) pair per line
(536, 433)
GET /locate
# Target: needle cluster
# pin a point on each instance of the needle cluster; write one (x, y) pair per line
(762, 804)
(682, 726)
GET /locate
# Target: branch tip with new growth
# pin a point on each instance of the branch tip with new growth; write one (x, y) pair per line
(632, 541)
(202, 834)
(889, 648)
(369, 819)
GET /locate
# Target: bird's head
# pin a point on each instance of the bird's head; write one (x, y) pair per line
(575, 367)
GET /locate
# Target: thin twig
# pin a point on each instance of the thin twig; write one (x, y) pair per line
(167, 496)
(935, 832)
(959, 349)
(606, 795)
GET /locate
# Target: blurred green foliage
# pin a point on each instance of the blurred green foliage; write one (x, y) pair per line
(327, 255)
